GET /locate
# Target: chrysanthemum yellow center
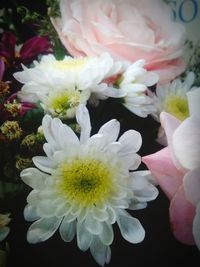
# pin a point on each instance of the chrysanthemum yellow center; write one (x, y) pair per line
(85, 181)
(70, 64)
(177, 106)
(62, 101)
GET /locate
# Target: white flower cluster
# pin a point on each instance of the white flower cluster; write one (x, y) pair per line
(60, 86)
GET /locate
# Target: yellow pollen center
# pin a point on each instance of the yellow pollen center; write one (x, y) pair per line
(85, 181)
(177, 106)
(62, 101)
(69, 64)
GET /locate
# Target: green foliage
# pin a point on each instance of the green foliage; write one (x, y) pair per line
(53, 10)
(194, 60)
(44, 26)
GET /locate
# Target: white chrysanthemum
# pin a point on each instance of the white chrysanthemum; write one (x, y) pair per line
(4, 229)
(61, 85)
(172, 97)
(134, 83)
(83, 186)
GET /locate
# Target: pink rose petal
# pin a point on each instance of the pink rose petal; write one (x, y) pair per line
(168, 176)
(182, 213)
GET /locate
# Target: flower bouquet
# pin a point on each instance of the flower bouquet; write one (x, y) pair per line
(99, 135)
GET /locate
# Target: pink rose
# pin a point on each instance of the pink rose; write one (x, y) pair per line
(129, 30)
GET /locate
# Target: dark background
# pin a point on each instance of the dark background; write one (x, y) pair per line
(159, 247)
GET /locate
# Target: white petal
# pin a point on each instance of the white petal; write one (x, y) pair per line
(45, 208)
(191, 183)
(169, 123)
(196, 227)
(93, 226)
(3, 233)
(67, 137)
(99, 215)
(111, 215)
(118, 203)
(34, 178)
(100, 252)
(142, 189)
(193, 101)
(44, 164)
(148, 176)
(46, 126)
(62, 209)
(150, 78)
(42, 229)
(97, 140)
(112, 92)
(134, 205)
(70, 216)
(33, 198)
(130, 228)
(186, 143)
(107, 235)
(48, 149)
(130, 161)
(131, 142)
(84, 238)
(67, 230)
(114, 148)
(30, 213)
(110, 130)
(83, 119)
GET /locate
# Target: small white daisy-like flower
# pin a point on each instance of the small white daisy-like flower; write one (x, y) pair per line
(83, 186)
(134, 83)
(61, 85)
(4, 229)
(172, 97)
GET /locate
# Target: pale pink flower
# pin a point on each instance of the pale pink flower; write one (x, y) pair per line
(129, 30)
(177, 170)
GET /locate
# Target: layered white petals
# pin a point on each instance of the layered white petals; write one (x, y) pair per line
(60, 86)
(134, 83)
(56, 132)
(53, 203)
(93, 226)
